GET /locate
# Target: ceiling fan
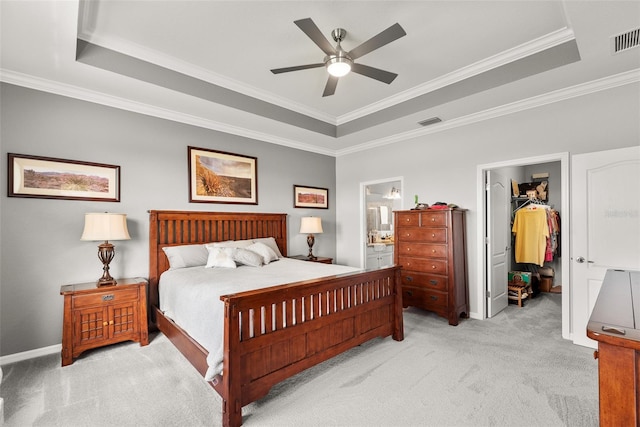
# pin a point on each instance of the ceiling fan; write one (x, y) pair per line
(340, 62)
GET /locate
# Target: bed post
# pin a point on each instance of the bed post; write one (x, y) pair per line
(398, 323)
(231, 378)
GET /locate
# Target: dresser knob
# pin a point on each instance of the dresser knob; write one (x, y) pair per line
(433, 219)
(433, 282)
(433, 267)
(433, 251)
(105, 323)
(433, 234)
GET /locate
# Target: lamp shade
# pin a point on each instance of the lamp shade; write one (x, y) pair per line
(105, 226)
(311, 225)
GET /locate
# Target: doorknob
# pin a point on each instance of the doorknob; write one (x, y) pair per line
(580, 260)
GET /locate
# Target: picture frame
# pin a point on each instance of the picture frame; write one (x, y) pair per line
(53, 178)
(222, 177)
(310, 197)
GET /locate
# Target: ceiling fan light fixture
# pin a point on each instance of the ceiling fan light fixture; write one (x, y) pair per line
(339, 66)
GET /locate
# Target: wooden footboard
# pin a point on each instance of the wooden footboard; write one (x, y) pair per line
(274, 333)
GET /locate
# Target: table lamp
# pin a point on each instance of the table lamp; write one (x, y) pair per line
(311, 225)
(105, 226)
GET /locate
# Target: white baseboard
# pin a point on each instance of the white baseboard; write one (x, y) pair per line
(25, 355)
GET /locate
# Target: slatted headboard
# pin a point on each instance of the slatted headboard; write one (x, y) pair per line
(173, 228)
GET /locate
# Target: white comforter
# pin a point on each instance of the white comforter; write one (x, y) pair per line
(191, 296)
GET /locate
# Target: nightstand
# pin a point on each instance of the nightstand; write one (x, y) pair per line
(98, 316)
(321, 259)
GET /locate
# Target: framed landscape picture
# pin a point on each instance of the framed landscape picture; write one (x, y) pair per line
(220, 177)
(51, 178)
(310, 197)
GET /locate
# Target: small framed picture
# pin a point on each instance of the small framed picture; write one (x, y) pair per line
(220, 177)
(310, 197)
(51, 178)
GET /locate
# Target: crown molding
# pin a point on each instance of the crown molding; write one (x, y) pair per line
(605, 83)
(524, 50)
(95, 97)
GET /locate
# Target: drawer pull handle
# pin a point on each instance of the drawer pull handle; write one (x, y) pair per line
(433, 251)
(434, 298)
(433, 234)
(105, 323)
(433, 267)
(433, 282)
(611, 329)
(107, 297)
(111, 322)
(433, 219)
(409, 279)
(409, 293)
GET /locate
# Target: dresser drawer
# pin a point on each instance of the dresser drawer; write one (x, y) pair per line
(433, 219)
(422, 250)
(422, 280)
(100, 298)
(420, 234)
(408, 219)
(435, 266)
(427, 299)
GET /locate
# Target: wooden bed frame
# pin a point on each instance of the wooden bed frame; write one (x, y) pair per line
(314, 320)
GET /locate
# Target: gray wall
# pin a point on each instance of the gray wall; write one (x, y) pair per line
(40, 239)
(443, 166)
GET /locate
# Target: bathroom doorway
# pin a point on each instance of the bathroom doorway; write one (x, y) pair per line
(381, 199)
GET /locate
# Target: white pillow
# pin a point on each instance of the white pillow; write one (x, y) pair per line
(220, 258)
(186, 256)
(265, 252)
(247, 257)
(271, 242)
(231, 244)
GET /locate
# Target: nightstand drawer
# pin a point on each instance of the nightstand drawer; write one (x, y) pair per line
(422, 280)
(98, 298)
(425, 265)
(422, 250)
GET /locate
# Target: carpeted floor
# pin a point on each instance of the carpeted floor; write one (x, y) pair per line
(512, 370)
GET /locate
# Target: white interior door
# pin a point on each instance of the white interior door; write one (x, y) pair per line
(605, 226)
(497, 242)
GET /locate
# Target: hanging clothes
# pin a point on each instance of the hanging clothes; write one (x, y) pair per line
(531, 227)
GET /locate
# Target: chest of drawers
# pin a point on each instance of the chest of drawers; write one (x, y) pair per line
(430, 246)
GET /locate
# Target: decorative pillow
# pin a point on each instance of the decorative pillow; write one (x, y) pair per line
(231, 244)
(271, 242)
(220, 258)
(247, 257)
(265, 252)
(186, 256)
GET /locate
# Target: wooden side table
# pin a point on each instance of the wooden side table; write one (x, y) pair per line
(98, 316)
(321, 259)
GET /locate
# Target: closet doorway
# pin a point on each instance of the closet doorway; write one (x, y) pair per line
(495, 204)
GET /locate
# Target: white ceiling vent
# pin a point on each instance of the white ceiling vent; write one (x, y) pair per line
(625, 41)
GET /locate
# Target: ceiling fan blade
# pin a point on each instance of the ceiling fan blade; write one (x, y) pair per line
(392, 33)
(375, 73)
(330, 88)
(313, 32)
(296, 68)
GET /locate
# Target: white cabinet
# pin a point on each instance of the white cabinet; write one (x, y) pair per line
(379, 255)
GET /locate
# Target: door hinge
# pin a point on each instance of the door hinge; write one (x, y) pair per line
(488, 294)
